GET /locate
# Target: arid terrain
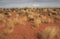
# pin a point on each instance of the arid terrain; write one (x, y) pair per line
(29, 23)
